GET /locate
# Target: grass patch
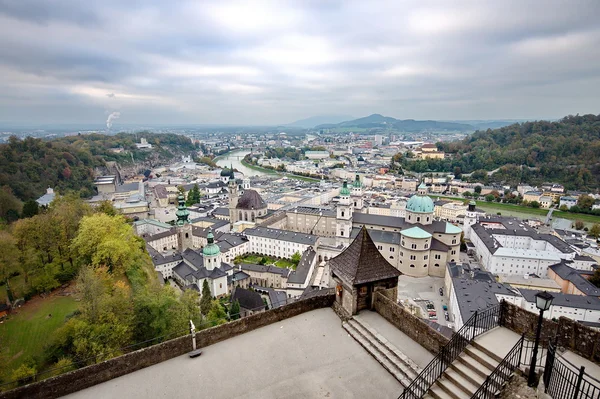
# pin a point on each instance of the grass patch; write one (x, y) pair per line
(24, 334)
(259, 168)
(494, 207)
(266, 260)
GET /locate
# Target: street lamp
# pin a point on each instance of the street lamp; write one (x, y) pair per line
(543, 301)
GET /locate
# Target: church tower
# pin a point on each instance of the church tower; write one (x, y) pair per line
(357, 194)
(184, 226)
(470, 219)
(344, 213)
(211, 253)
(233, 199)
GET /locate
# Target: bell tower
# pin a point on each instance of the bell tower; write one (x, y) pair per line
(357, 194)
(344, 213)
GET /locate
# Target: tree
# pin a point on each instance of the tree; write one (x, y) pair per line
(467, 194)
(190, 300)
(107, 208)
(579, 224)
(30, 208)
(595, 279)
(10, 206)
(206, 299)
(534, 204)
(107, 240)
(477, 189)
(24, 374)
(296, 258)
(595, 231)
(489, 198)
(585, 201)
(234, 311)
(216, 315)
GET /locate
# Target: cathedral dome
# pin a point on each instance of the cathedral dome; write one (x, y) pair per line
(211, 249)
(251, 200)
(420, 204)
(226, 172)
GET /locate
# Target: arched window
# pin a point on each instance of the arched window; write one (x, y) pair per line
(187, 235)
(412, 265)
(418, 219)
(253, 216)
(342, 213)
(437, 265)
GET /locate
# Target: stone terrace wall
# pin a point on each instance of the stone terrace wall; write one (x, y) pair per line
(95, 374)
(568, 333)
(409, 324)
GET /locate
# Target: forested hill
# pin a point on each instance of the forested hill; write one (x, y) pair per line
(31, 165)
(566, 151)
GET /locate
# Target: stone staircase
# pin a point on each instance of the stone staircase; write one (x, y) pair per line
(392, 359)
(466, 374)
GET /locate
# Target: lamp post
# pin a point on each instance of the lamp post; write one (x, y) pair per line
(543, 300)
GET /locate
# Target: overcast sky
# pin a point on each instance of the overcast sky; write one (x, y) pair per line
(255, 62)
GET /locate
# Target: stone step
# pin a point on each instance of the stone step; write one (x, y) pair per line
(482, 358)
(473, 365)
(461, 382)
(475, 378)
(374, 351)
(445, 389)
(486, 351)
(411, 368)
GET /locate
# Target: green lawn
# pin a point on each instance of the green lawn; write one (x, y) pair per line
(259, 168)
(256, 259)
(25, 333)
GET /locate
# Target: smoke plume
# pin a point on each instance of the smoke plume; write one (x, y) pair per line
(111, 118)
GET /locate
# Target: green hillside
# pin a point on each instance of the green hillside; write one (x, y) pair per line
(566, 151)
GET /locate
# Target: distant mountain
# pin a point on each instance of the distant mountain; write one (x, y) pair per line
(313, 121)
(408, 125)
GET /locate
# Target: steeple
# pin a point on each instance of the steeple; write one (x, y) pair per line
(182, 212)
(211, 252)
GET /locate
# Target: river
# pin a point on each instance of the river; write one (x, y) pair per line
(231, 158)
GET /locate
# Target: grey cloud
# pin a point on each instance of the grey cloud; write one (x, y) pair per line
(199, 64)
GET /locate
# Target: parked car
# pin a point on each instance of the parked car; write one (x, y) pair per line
(432, 315)
(446, 316)
(430, 305)
(445, 307)
(441, 292)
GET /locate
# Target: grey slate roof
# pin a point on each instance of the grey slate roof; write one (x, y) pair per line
(193, 258)
(251, 199)
(387, 221)
(264, 269)
(221, 211)
(283, 235)
(248, 299)
(309, 210)
(277, 298)
(564, 271)
(437, 245)
(388, 237)
(299, 275)
(362, 262)
(160, 235)
(476, 293)
(160, 259)
(237, 276)
(566, 300)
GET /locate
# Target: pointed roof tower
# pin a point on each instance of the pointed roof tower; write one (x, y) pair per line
(182, 212)
(362, 262)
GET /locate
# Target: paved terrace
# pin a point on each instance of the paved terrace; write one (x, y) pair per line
(306, 356)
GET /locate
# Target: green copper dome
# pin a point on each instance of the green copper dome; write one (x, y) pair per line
(211, 249)
(357, 183)
(420, 204)
(345, 190)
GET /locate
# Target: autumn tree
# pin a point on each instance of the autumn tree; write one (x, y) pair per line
(107, 240)
(595, 231)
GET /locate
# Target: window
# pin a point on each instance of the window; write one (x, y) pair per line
(412, 265)
(453, 252)
(342, 233)
(414, 246)
(379, 247)
(220, 285)
(342, 213)
(391, 257)
(426, 246)
(418, 219)
(402, 242)
(425, 257)
(392, 249)
(453, 241)
(413, 257)
(437, 265)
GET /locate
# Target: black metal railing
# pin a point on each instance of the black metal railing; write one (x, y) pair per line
(480, 322)
(564, 380)
(494, 382)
